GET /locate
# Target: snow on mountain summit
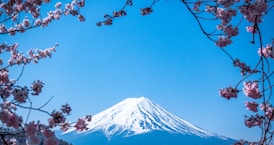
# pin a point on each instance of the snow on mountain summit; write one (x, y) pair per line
(140, 115)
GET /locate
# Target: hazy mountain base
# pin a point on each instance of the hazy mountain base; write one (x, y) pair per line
(155, 138)
(21, 139)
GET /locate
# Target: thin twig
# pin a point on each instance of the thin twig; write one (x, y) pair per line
(21, 73)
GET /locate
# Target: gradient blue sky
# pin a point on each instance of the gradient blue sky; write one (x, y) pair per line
(163, 56)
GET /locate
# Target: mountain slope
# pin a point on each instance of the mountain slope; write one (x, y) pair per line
(139, 121)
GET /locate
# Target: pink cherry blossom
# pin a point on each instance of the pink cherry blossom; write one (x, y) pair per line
(197, 5)
(26, 22)
(57, 14)
(7, 105)
(33, 140)
(58, 5)
(5, 115)
(225, 15)
(47, 133)
(253, 12)
(81, 3)
(20, 95)
(12, 31)
(20, 28)
(51, 141)
(230, 31)
(119, 13)
(226, 3)
(65, 126)
(31, 128)
(49, 137)
(146, 11)
(251, 89)
(244, 68)
(210, 9)
(251, 29)
(5, 91)
(37, 87)
(252, 106)
(81, 125)
(38, 22)
(241, 142)
(13, 141)
(254, 121)
(66, 109)
(4, 76)
(268, 109)
(106, 22)
(266, 51)
(81, 18)
(14, 121)
(56, 118)
(228, 92)
(3, 28)
(10, 119)
(223, 41)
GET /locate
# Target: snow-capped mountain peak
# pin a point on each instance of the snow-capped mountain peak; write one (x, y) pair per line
(134, 116)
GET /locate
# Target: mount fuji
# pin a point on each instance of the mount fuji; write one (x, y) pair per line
(136, 121)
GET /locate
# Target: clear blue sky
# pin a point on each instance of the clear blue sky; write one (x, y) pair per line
(163, 56)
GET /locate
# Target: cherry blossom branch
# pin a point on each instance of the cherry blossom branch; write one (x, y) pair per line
(21, 73)
(31, 108)
(15, 96)
(198, 21)
(3, 139)
(15, 9)
(116, 14)
(252, 11)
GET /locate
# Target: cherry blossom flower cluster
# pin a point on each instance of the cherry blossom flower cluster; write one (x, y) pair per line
(267, 51)
(245, 69)
(223, 41)
(4, 77)
(38, 133)
(12, 141)
(37, 87)
(228, 92)
(58, 118)
(268, 109)
(224, 13)
(253, 11)
(251, 89)
(251, 29)
(13, 9)
(252, 106)
(18, 58)
(146, 11)
(81, 124)
(244, 142)
(252, 121)
(196, 6)
(119, 13)
(8, 115)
